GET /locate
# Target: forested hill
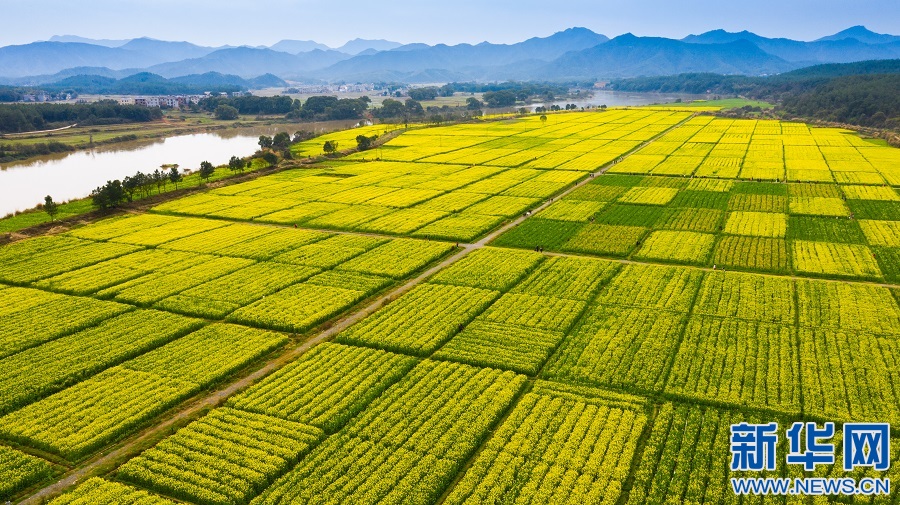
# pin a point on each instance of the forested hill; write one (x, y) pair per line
(866, 100)
(861, 93)
(803, 78)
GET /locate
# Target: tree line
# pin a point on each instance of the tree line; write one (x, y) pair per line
(16, 118)
(865, 100)
(141, 185)
(860, 93)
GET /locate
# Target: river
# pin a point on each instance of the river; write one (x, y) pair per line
(67, 176)
(620, 99)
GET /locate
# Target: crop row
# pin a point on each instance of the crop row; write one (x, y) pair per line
(734, 362)
(687, 457)
(30, 317)
(64, 361)
(103, 492)
(555, 448)
(422, 320)
(19, 470)
(489, 268)
(226, 457)
(327, 387)
(409, 444)
(99, 410)
(106, 274)
(40, 265)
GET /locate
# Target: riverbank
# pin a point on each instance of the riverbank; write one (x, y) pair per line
(174, 123)
(36, 222)
(79, 207)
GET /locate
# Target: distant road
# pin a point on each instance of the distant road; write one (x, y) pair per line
(39, 131)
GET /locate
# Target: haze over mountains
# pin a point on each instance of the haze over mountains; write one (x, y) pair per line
(573, 54)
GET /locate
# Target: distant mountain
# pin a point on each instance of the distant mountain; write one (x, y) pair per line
(249, 62)
(357, 46)
(463, 60)
(298, 46)
(830, 70)
(266, 81)
(217, 79)
(84, 83)
(146, 83)
(159, 51)
(37, 80)
(573, 53)
(833, 50)
(631, 56)
(50, 57)
(862, 34)
(84, 40)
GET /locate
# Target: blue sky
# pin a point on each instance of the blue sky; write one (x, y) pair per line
(218, 22)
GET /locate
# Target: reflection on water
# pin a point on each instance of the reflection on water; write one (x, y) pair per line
(621, 99)
(66, 176)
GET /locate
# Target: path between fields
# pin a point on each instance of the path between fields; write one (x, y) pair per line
(23, 134)
(217, 397)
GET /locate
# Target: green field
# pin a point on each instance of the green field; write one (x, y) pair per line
(569, 311)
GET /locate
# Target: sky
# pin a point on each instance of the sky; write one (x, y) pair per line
(221, 22)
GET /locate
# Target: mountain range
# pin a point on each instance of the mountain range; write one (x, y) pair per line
(573, 54)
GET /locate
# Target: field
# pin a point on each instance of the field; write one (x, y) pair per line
(506, 311)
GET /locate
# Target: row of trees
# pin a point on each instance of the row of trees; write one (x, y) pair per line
(115, 192)
(325, 108)
(391, 108)
(315, 108)
(250, 105)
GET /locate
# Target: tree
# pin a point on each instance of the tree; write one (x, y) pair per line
(364, 143)
(175, 176)
(330, 146)
(145, 182)
(427, 93)
(50, 207)
(543, 119)
(473, 103)
(270, 158)
(130, 185)
(504, 98)
(281, 141)
(206, 170)
(390, 108)
(265, 142)
(414, 108)
(236, 164)
(301, 135)
(159, 178)
(226, 112)
(109, 195)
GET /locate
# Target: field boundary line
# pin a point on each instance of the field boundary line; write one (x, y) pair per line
(625, 261)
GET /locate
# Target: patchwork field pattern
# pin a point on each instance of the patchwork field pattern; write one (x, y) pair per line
(724, 271)
(820, 227)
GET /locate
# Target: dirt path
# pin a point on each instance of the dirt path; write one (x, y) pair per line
(25, 134)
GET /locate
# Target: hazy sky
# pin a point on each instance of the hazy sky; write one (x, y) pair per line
(218, 22)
